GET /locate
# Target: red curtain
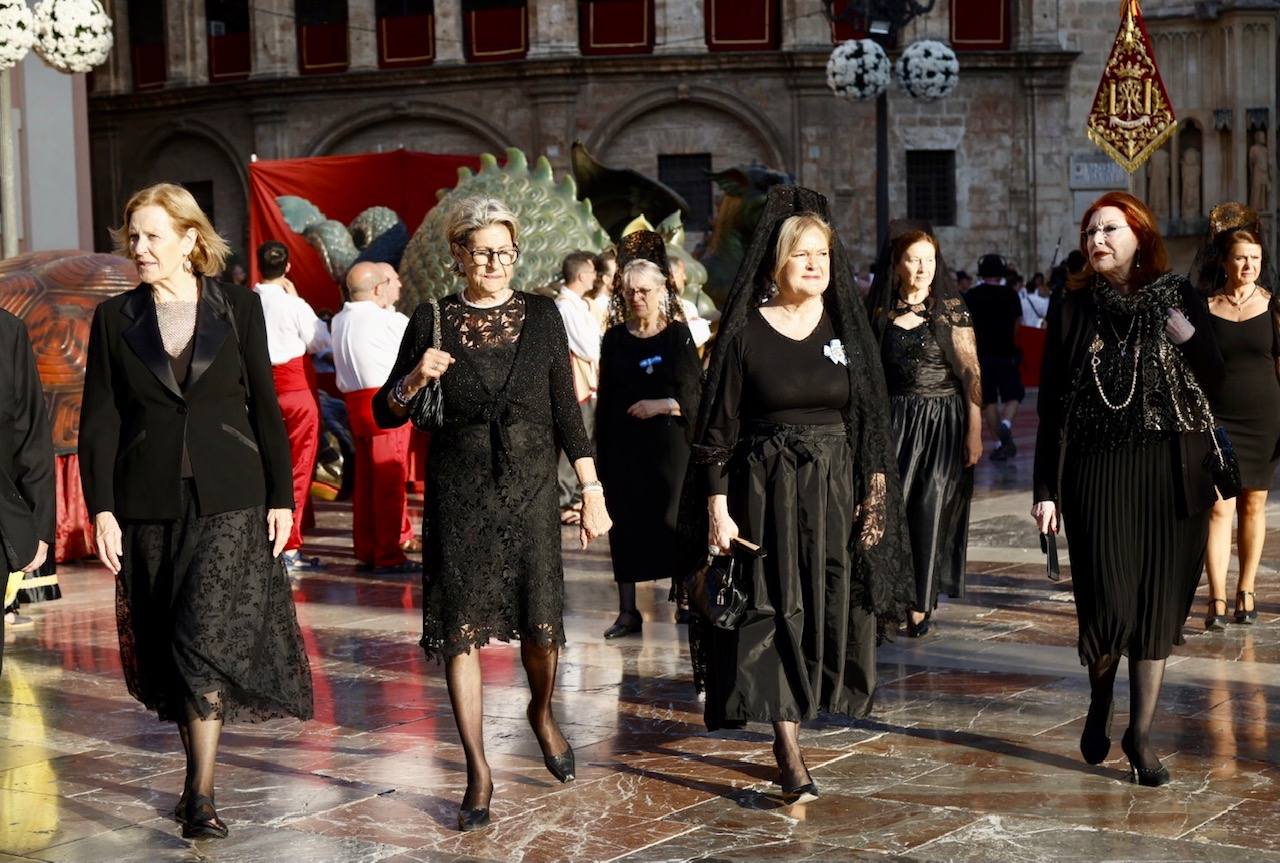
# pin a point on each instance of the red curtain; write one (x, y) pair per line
(615, 26)
(843, 29)
(342, 186)
(74, 534)
(980, 25)
(494, 30)
(743, 25)
(406, 40)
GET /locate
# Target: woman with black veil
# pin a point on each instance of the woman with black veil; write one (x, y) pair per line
(935, 403)
(793, 447)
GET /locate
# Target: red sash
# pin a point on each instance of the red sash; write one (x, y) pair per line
(360, 413)
(296, 375)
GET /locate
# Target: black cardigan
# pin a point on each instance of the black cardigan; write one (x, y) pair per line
(135, 418)
(26, 452)
(1071, 327)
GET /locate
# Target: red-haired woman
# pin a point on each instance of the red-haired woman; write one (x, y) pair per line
(1125, 429)
(1233, 272)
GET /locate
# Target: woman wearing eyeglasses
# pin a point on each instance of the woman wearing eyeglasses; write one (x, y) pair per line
(1121, 461)
(492, 565)
(648, 397)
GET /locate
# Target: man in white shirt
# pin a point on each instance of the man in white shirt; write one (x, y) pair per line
(293, 332)
(366, 339)
(699, 327)
(583, 328)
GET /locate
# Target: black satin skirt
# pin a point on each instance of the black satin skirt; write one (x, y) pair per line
(1135, 559)
(802, 646)
(928, 436)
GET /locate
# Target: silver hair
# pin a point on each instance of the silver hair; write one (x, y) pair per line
(471, 214)
(642, 269)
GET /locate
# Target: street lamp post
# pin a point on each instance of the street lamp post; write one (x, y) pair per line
(882, 20)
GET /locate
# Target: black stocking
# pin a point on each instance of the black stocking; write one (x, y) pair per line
(185, 734)
(1145, 677)
(786, 750)
(202, 743)
(627, 601)
(1102, 680)
(540, 667)
(462, 674)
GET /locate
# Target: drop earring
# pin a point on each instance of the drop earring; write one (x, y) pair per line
(186, 265)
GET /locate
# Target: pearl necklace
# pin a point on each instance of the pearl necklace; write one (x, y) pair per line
(1095, 350)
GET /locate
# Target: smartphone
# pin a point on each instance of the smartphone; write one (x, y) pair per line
(1049, 545)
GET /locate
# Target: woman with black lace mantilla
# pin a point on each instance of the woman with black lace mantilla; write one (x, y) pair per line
(935, 402)
(492, 565)
(1121, 460)
(793, 439)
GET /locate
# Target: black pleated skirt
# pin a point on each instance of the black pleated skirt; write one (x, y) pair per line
(802, 646)
(206, 619)
(1135, 559)
(928, 435)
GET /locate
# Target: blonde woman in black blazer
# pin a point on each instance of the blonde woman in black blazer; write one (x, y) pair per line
(186, 472)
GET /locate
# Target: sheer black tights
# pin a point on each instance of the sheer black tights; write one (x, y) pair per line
(1102, 680)
(786, 750)
(1145, 679)
(540, 665)
(200, 743)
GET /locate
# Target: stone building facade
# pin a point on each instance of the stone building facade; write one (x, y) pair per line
(1005, 157)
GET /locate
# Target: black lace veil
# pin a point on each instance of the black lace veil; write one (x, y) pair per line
(882, 577)
(945, 309)
(648, 246)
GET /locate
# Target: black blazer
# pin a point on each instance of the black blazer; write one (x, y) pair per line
(135, 418)
(26, 452)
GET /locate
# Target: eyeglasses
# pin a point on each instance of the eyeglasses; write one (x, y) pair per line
(639, 292)
(482, 257)
(1106, 230)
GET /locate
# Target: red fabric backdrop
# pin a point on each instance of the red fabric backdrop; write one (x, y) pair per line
(342, 186)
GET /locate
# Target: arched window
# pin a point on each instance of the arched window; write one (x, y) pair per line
(615, 26)
(147, 44)
(322, 36)
(743, 25)
(981, 25)
(406, 33)
(495, 30)
(230, 39)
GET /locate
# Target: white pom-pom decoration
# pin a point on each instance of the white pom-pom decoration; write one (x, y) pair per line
(928, 70)
(858, 69)
(17, 32)
(72, 35)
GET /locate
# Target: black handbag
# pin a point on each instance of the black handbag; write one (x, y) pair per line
(427, 408)
(1222, 464)
(717, 589)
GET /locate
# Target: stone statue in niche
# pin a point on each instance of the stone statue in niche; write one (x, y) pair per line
(1191, 183)
(1259, 173)
(1158, 183)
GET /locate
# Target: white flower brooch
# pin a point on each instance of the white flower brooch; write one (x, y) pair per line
(834, 351)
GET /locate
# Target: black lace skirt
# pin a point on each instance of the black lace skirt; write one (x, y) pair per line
(1135, 560)
(206, 619)
(928, 432)
(492, 564)
(804, 646)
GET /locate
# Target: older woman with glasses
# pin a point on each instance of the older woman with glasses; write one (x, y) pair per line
(492, 565)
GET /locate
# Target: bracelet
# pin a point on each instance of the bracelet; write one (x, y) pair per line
(593, 486)
(399, 396)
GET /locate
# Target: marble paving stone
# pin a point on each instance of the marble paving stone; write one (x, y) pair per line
(732, 847)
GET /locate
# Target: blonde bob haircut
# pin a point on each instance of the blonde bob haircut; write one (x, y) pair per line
(208, 256)
(793, 227)
(471, 214)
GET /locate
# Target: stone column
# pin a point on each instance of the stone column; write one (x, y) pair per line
(552, 102)
(186, 43)
(448, 35)
(362, 35)
(679, 27)
(269, 132)
(805, 26)
(275, 39)
(116, 74)
(553, 28)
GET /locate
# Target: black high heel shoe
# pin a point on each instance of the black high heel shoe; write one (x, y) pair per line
(918, 630)
(561, 766)
(1213, 620)
(1151, 777)
(475, 818)
(1243, 615)
(1095, 742)
(202, 821)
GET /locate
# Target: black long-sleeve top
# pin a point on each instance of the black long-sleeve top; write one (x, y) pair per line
(26, 451)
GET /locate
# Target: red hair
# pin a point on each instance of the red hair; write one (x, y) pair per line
(1151, 255)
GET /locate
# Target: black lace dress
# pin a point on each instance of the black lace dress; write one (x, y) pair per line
(805, 643)
(927, 414)
(492, 564)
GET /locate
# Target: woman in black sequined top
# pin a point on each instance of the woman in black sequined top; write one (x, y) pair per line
(492, 565)
(1125, 429)
(935, 402)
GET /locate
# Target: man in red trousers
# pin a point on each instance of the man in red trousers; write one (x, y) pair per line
(293, 332)
(366, 339)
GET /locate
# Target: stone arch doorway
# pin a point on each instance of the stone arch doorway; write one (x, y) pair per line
(423, 129)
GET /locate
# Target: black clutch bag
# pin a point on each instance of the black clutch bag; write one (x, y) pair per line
(426, 411)
(717, 589)
(1222, 464)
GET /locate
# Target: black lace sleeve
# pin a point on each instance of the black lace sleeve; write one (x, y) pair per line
(721, 434)
(955, 315)
(687, 373)
(413, 345)
(565, 413)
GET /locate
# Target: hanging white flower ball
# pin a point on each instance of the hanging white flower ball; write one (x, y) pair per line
(858, 69)
(72, 35)
(17, 32)
(928, 69)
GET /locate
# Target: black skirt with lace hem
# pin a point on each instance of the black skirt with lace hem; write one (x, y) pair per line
(206, 619)
(805, 644)
(492, 562)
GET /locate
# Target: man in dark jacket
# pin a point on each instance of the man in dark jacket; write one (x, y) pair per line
(996, 311)
(26, 459)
